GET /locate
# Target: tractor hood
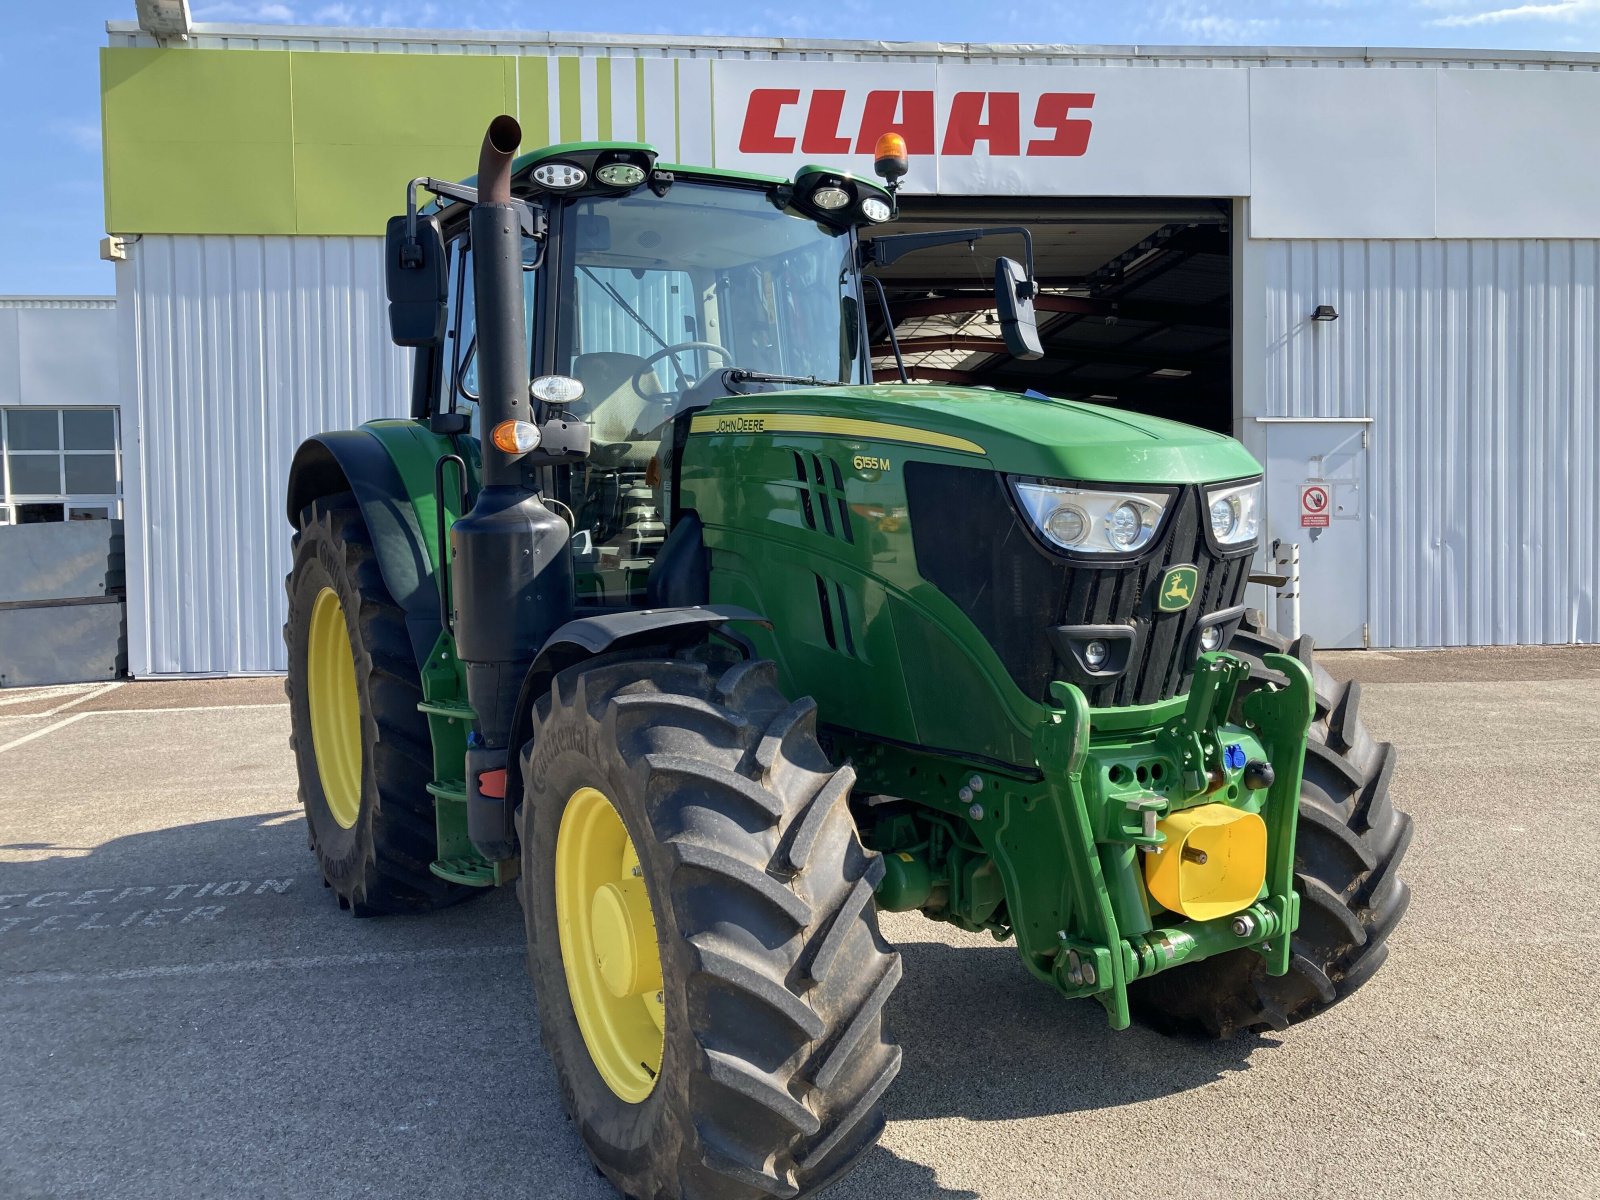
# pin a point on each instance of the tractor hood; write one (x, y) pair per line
(1020, 435)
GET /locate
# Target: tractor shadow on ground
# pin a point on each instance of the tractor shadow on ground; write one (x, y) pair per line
(882, 1173)
(985, 1040)
(982, 1039)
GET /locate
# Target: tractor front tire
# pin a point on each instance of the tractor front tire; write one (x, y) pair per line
(732, 1046)
(360, 745)
(1348, 846)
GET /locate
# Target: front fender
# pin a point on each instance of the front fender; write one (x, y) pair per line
(357, 461)
(587, 637)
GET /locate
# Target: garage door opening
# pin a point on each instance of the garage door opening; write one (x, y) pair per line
(1135, 308)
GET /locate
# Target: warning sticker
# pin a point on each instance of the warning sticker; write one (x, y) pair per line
(1314, 506)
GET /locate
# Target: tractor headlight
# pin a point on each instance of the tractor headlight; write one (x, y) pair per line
(559, 176)
(1092, 522)
(830, 197)
(875, 209)
(1235, 510)
(620, 174)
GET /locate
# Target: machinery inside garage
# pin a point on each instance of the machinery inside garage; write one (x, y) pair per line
(1135, 309)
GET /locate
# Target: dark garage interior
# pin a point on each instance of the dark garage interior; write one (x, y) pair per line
(1135, 303)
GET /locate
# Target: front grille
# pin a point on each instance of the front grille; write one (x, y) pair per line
(972, 545)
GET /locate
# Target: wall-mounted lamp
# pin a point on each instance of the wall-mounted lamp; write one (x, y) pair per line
(1325, 312)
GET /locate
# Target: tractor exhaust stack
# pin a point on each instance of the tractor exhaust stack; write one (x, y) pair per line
(500, 142)
(511, 561)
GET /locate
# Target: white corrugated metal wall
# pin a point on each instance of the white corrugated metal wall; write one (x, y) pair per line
(1477, 361)
(252, 344)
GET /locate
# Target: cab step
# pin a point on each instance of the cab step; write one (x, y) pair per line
(454, 710)
(474, 871)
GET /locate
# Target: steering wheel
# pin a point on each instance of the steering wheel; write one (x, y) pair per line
(672, 352)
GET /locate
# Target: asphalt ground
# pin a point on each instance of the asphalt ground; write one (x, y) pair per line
(184, 1010)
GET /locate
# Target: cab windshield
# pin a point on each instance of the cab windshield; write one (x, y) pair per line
(670, 290)
(671, 302)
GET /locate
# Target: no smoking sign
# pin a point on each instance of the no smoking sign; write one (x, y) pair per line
(1314, 505)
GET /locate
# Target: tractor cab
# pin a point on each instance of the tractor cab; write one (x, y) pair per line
(650, 292)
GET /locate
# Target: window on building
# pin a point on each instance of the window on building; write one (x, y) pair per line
(59, 464)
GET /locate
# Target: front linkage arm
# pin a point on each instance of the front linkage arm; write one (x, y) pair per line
(1053, 856)
(1105, 940)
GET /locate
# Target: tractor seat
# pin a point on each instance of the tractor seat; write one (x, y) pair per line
(615, 408)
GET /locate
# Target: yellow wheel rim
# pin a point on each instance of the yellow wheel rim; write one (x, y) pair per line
(335, 709)
(608, 945)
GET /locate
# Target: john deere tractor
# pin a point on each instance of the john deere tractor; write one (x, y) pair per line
(660, 608)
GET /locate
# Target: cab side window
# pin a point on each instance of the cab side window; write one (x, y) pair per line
(460, 372)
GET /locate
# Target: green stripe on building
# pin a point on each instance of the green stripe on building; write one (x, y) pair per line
(570, 95)
(317, 143)
(533, 99)
(602, 95)
(638, 91)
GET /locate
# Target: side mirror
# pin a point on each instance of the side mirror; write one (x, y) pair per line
(417, 281)
(1013, 301)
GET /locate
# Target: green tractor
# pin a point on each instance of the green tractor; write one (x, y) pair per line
(660, 608)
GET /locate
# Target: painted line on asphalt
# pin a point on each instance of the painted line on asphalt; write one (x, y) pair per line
(123, 712)
(77, 697)
(316, 962)
(39, 733)
(77, 700)
(33, 696)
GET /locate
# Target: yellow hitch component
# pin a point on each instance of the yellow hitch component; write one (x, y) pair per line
(1213, 864)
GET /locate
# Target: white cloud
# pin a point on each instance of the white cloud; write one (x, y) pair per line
(259, 13)
(413, 14)
(1561, 10)
(1212, 23)
(85, 135)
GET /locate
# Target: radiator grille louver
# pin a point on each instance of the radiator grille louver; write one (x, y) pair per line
(822, 503)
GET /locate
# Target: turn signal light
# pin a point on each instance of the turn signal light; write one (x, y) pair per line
(515, 437)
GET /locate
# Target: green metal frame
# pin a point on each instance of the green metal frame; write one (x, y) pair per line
(415, 451)
(1064, 849)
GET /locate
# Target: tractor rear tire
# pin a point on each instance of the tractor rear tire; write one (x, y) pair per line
(367, 807)
(771, 1053)
(1348, 846)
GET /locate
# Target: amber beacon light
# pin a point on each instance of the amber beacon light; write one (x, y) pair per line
(889, 160)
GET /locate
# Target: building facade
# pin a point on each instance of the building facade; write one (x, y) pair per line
(1384, 262)
(61, 491)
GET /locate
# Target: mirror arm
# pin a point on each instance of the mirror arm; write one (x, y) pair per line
(534, 222)
(892, 247)
(411, 249)
(888, 319)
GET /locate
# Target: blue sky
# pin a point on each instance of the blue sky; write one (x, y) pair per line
(50, 205)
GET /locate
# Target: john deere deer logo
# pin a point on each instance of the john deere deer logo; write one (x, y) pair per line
(1177, 589)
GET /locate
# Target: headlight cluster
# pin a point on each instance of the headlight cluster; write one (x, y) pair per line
(1092, 522)
(876, 210)
(560, 176)
(1235, 512)
(834, 197)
